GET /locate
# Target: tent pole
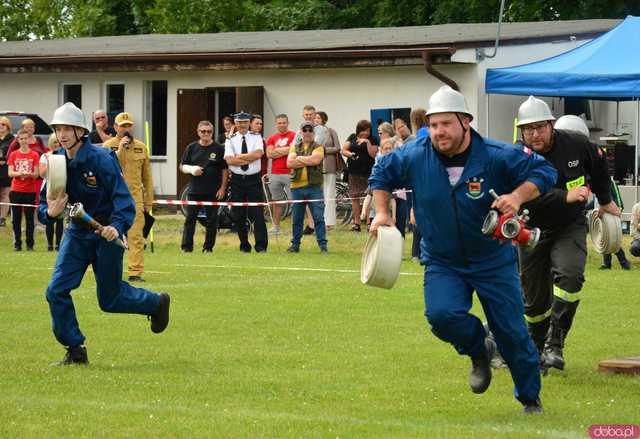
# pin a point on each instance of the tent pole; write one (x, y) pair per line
(637, 140)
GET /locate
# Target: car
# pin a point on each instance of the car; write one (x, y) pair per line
(43, 130)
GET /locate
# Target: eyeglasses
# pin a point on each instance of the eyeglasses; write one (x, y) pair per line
(307, 130)
(100, 117)
(530, 129)
(206, 131)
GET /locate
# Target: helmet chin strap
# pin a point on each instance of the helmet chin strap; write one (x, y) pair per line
(464, 131)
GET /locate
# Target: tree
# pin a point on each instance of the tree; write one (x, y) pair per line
(38, 19)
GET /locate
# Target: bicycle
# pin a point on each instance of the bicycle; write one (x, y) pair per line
(224, 212)
(343, 203)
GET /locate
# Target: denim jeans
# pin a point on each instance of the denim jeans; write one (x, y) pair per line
(313, 192)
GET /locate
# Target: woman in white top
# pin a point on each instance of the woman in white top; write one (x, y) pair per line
(331, 165)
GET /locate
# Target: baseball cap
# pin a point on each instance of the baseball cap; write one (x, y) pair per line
(124, 119)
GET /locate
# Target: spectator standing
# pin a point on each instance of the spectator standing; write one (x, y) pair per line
(419, 122)
(305, 159)
(256, 126)
(229, 130)
(622, 258)
(243, 152)
(634, 249)
(204, 161)
(360, 149)
(103, 131)
(403, 133)
(321, 134)
(57, 225)
(278, 146)
(136, 168)
(23, 168)
(35, 143)
(6, 137)
(331, 166)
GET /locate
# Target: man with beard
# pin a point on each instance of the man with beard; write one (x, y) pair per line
(451, 173)
(552, 272)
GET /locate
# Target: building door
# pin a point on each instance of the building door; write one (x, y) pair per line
(211, 104)
(250, 99)
(192, 108)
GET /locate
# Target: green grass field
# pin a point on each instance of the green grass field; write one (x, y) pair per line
(262, 345)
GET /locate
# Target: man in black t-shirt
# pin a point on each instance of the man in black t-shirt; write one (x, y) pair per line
(204, 160)
(103, 131)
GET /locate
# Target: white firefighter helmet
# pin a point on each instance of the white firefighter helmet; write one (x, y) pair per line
(448, 100)
(569, 122)
(69, 114)
(534, 110)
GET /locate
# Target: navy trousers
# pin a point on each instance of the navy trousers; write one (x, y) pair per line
(78, 250)
(448, 299)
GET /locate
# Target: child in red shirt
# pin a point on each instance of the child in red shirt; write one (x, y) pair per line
(23, 167)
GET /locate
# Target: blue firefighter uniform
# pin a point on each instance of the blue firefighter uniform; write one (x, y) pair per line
(94, 179)
(459, 258)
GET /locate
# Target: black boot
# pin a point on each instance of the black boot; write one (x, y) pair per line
(74, 355)
(480, 375)
(532, 407)
(160, 318)
(553, 356)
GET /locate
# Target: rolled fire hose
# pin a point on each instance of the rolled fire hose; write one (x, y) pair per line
(381, 258)
(605, 231)
(56, 175)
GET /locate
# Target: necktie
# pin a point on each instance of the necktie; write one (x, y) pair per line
(244, 151)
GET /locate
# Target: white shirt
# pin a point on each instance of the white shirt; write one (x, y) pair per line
(233, 147)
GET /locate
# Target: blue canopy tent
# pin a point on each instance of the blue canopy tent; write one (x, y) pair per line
(606, 68)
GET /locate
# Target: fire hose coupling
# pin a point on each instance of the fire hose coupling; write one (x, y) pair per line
(510, 227)
(78, 213)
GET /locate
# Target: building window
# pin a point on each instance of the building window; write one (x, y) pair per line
(155, 110)
(114, 99)
(72, 93)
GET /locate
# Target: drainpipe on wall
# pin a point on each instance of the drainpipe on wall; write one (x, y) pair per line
(428, 66)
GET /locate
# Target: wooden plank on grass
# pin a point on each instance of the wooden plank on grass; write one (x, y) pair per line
(628, 365)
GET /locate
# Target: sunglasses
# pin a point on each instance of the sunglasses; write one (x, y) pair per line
(206, 131)
(307, 130)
